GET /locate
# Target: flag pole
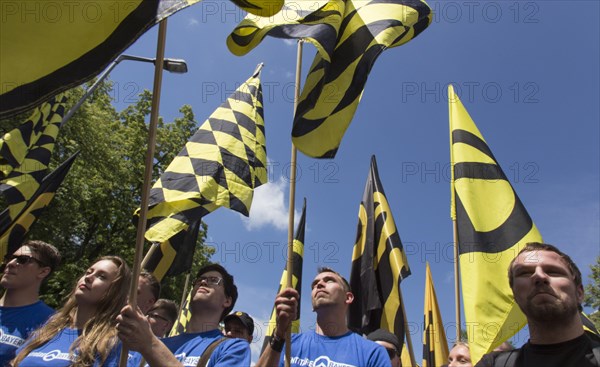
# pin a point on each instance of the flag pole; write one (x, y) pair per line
(456, 277)
(141, 227)
(292, 200)
(406, 332)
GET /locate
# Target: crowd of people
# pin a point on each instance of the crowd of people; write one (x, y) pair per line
(96, 320)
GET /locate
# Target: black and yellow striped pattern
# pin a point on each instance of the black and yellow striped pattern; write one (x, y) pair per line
(297, 260)
(435, 347)
(316, 21)
(185, 316)
(588, 326)
(379, 264)
(41, 58)
(175, 255)
(332, 90)
(263, 8)
(25, 154)
(493, 226)
(13, 231)
(220, 166)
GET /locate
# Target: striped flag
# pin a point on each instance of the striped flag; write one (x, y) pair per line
(70, 44)
(13, 231)
(378, 264)
(297, 258)
(174, 256)
(184, 316)
(492, 227)
(435, 347)
(588, 325)
(316, 21)
(220, 166)
(333, 89)
(25, 154)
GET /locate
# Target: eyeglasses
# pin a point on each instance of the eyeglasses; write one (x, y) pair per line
(392, 353)
(154, 315)
(22, 259)
(209, 280)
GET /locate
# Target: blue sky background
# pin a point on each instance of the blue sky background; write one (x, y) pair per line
(527, 72)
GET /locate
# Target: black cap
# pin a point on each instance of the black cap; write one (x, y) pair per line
(244, 318)
(385, 336)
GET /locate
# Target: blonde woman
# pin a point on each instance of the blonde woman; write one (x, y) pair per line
(460, 356)
(82, 332)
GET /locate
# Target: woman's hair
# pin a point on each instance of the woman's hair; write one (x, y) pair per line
(99, 335)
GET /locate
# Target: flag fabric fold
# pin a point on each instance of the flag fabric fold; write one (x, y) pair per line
(44, 53)
(435, 347)
(13, 230)
(492, 227)
(333, 89)
(297, 259)
(220, 166)
(25, 153)
(379, 264)
(317, 22)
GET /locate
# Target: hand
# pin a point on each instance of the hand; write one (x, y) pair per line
(286, 306)
(134, 329)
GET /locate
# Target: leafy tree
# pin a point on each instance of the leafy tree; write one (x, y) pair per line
(592, 293)
(91, 214)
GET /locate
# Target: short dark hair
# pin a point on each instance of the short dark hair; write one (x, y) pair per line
(538, 246)
(228, 285)
(170, 308)
(47, 254)
(324, 269)
(152, 282)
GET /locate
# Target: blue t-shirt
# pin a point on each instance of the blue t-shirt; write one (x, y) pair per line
(348, 350)
(188, 349)
(55, 353)
(16, 323)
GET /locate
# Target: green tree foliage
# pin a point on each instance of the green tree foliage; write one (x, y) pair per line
(91, 215)
(592, 293)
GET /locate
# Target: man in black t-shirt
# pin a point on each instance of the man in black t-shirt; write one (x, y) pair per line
(547, 287)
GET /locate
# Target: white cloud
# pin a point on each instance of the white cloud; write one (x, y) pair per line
(290, 42)
(269, 207)
(192, 22)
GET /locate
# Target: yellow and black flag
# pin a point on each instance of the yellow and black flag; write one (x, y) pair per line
(25, 154)
(588, 325)
(378, 264)
(184, 316)
(435, 347)
(492, 227)
(13, 231)
(297, 259)
(316, 21)
(49, 47)
(332, 90)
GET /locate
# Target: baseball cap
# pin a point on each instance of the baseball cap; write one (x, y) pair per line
(244, 318)
(385, 336)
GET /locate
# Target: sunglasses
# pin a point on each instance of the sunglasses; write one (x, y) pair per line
(210, 281)
(154, 315)
(22, 259)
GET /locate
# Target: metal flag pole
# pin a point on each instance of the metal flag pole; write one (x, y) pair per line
(292, 200)
(141, 227)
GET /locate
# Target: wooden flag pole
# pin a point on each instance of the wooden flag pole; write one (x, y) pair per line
(406, 332)
(292, 200)
(456, 278)
(141, 227)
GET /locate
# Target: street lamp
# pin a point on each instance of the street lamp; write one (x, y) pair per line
(177, 66)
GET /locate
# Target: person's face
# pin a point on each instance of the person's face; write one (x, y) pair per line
(145, 298)
(235, 329)
(209, 290)
(544, 287)
(391, 351)
(459, 357)
(23, 269)
(159, 322)
(328, 289)
(95, 283)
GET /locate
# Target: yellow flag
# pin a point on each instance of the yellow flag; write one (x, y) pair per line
(435, 347)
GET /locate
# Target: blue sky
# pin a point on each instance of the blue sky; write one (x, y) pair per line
(527, 72)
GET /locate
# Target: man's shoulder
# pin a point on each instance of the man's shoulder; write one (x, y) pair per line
(505, 358)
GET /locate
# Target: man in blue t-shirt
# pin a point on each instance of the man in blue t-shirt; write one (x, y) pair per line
(331, 343)
(21, 310)
(213, 296)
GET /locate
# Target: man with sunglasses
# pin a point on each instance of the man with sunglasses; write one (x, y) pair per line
(162, 316)
(331, 343)
(390, 342)
(21, 310)
(213, 297)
